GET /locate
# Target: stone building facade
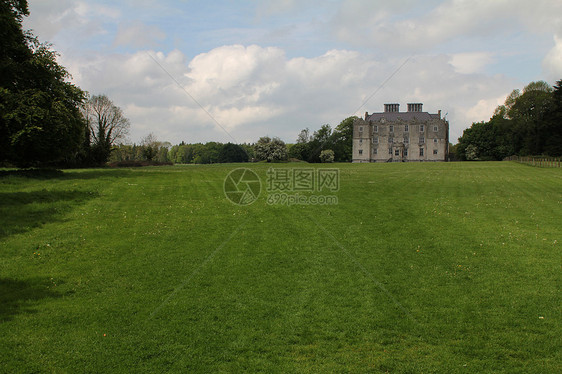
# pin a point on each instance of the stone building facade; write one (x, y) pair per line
(394, 136)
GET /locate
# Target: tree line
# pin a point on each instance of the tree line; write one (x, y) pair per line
(323, 145)
(528, 123)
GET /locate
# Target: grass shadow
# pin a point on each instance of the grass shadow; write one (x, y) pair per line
(45, 174)
(21, 296)
(23, 211)
(32, 173)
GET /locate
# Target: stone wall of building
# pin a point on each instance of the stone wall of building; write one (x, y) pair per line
(400, 137)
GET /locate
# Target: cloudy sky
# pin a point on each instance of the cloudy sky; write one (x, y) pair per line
(225, 70)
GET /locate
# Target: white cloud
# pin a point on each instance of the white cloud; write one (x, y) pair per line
(416, 26)
(254, 91)
(139, 35)
(483, 109)
(471, 62)
(552, 63)
(87, 10)
(262, 89)
(47, 18)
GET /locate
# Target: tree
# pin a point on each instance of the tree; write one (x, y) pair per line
(163, 149)
(528, 113)
(327, 156)
(270, 150)
(553, 119)
(40, 123)
(304, 136)
(472, 152)
(529, 123)
(107, 124)
(321, 139)
(230, 152)
(151, 146)
(299, 151)
(342, 140)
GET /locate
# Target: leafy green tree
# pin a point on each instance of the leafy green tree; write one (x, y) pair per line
(299, 151)
(270, 149)
(150, 146)
(122, 152)
(553, 118)
(230, 152)
(529, 123)
(321, 139)
(327, 156)
(162, 154)
(40, 121)
(528, 113)
(181, 154)
(211, 152)
(472, 152)
(249, 148)
(342, 140)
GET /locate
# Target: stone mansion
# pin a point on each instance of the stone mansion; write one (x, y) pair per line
(394, 136)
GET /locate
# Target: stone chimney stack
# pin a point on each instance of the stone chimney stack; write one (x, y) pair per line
(391, 108)
(366, 115)
(415, 107)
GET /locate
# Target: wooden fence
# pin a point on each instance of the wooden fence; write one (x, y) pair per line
(542, 162)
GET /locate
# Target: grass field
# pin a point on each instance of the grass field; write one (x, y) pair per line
(446, 267)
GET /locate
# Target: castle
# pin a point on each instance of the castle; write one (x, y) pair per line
(394, 136)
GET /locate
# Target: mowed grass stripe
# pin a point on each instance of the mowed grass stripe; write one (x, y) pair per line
(459, 245)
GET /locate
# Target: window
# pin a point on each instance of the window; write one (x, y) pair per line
(406, 128)
(435, 151)
(435, 140)
(374, 151)
(421, 151)
(396, 152)
(376, 128)
(360, 151)
(360, 128)
(390, 139)
(376, 140)
(389, 151)
(405, 151)
(422, 140)
(406, 140)
(391, 128)
(435, 128)
(421, 128)
(360, 141)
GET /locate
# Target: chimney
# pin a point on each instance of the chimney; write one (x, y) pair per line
(415, 107)
(439, 112)
(391, 108)
(366, 115)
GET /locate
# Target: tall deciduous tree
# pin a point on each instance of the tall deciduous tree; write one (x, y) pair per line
(107, 125)
(40, 122)
(553, 118)
(342, 140)
(230, 152)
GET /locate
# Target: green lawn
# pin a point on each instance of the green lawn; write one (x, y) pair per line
(445, 267)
